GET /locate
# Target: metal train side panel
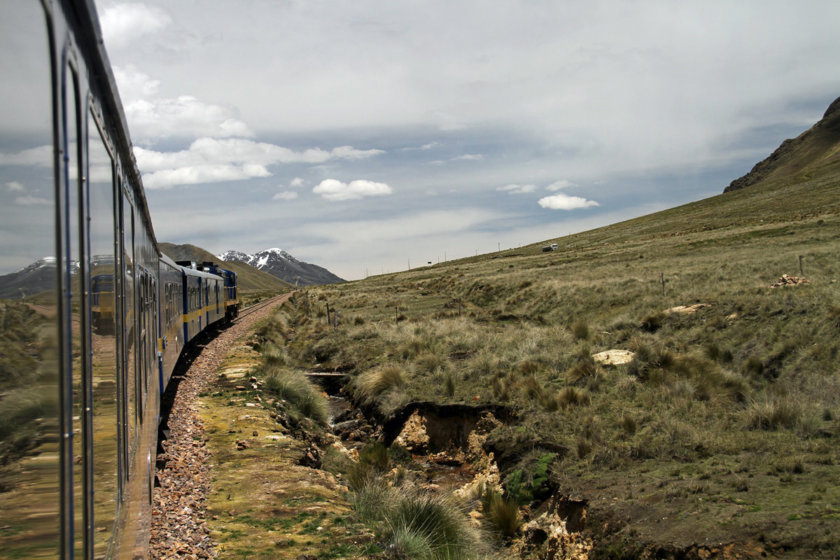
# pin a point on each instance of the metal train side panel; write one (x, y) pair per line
(171, 338)
(86, 299)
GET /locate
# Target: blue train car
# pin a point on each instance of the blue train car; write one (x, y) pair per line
(92, 316)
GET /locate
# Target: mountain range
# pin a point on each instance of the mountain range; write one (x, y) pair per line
(38, 277)
(248, 277)
(281, 264)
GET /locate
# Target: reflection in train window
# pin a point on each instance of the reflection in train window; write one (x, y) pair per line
(29, 386)
(104, 349)
(72, 272)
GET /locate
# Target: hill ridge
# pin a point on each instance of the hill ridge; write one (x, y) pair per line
(798, 158)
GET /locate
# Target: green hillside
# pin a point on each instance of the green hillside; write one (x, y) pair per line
(814, 153)
(722, 433)
(249, 278)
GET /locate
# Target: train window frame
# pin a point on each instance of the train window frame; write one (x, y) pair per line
(95, 134)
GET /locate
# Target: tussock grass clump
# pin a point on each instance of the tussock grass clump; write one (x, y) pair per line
(502, 513)
(580, 330)
(370, 385)
(274, 355)
(653, 322)
(298, 391)
(584, 371)
(417, 524)
(773, 414)
(572, 396)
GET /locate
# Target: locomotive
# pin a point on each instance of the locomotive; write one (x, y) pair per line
(93, 322)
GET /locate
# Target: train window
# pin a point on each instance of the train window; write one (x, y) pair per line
(104, 422)
(73, 271)
(129, 319)
(29, 366)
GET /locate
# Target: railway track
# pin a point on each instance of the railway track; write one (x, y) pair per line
(276, 300)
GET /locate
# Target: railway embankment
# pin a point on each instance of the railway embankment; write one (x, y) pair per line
(183, 481)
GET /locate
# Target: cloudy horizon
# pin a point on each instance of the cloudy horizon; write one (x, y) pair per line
(363, 137)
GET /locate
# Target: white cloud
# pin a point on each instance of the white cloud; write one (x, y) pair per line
(134, 84)
(517, 189)
(296, 183)
(468, 157)
(14, 186)
(559, 185)
(349, 152)
(122, 24)
(285, 195)
(185, 116)
(332, 189)
(212, 160)
(42, 156)
(209, 173)
(565, 202)
(32, 201)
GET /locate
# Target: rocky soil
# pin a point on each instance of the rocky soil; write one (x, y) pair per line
(179, 506)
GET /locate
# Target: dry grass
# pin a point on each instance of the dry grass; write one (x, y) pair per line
(752, 374)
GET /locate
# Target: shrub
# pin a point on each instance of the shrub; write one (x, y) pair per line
(530, 482)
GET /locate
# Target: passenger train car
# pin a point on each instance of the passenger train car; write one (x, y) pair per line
(92, 316)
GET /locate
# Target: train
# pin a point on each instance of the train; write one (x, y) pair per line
(93, 316)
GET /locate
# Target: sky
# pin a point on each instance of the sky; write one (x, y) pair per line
(367, 137)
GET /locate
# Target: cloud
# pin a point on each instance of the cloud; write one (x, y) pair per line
(185, 116)
(332, 189)
(565, 202)
(32, 201)
(42, 156)
(14, 186)
(285, 195)
(134, 84)
(193, 175)
(517, 189)
(296, 183)
(349, 152)
(122, 24)
(559, 185)
(468, 157)
(210, 160)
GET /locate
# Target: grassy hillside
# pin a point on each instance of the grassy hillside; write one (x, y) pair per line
(249, 278)
(815, 152)
(724, 427)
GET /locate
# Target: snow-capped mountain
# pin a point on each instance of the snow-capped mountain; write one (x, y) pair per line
(37, 277)
(281, 264)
